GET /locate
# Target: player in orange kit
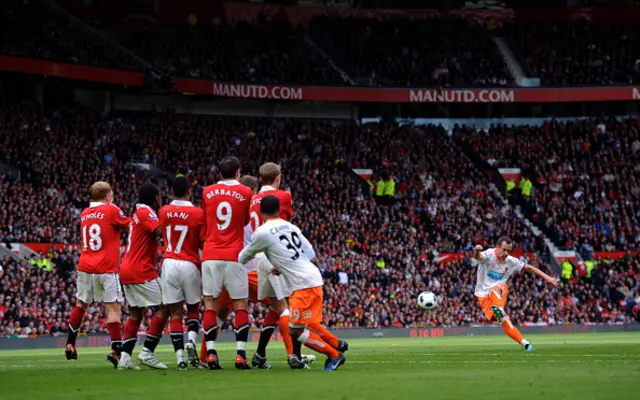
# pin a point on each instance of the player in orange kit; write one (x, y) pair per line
(495, 267)
(98, 279)
(271, 177)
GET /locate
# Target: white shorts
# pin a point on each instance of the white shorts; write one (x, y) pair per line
(230, 275)
(100, 288)
(142, 295)
(181, 281)
(269, 285)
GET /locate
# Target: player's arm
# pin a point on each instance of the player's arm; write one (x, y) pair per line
(288, 206)
(538, 272)
(307, 248)
(119, 219)
(477, 253)
(258, 243)
(152, 224)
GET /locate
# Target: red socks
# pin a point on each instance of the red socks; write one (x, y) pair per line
(115, 331)
(77, 314)
(156, 326)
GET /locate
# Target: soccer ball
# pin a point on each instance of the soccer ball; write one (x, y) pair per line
(427, 300)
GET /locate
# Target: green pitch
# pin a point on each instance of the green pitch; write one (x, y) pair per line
(573, 366)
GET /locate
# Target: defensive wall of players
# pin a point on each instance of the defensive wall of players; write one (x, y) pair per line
(50, 342)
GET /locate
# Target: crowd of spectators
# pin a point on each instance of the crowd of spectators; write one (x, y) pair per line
(406, 52)
(578, 52)
(586, 177)
(375, 259)
(30, 30)
(263, 52)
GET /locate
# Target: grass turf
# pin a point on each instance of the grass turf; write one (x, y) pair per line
(571, 366)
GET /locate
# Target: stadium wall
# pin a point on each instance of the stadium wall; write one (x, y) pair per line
(50, 342)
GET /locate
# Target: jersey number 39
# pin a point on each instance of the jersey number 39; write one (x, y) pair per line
(293, 244)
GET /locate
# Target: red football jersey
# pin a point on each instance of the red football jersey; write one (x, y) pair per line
(139, 263)
(286, 205)
(100, 229)
(226, 209)
(183, 230)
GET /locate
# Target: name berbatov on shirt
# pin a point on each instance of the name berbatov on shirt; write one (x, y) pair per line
(223, 192)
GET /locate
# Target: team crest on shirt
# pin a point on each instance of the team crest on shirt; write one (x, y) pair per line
(495, 275)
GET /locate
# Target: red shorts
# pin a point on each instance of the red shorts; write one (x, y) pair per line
(225, 302)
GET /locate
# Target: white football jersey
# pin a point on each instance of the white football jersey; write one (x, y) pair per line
(288, 251)
(248, 233)
(492, 272)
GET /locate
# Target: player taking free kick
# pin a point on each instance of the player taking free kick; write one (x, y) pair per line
(495, 267)
(98, 280)
(290, 253)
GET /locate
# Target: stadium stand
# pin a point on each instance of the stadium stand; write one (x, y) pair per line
(585, 174)
(349, 229)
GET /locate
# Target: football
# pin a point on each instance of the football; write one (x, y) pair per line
(427, 300)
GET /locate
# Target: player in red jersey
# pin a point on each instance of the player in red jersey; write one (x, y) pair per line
(98, 280)
(226, 208)
(183, 227)
(141, 283)
(268, 284)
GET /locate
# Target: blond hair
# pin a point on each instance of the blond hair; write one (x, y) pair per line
(99, 191)
(269, 172)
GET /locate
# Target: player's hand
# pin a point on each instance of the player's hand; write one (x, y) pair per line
(274, 272)
(478, 248)
(553, 283)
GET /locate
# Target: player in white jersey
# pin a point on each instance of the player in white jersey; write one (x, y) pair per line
(290, 253)
(495, 267)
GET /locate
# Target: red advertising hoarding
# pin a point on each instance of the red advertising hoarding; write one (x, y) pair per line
(327, 93)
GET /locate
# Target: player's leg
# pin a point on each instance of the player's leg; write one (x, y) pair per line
(177, 334)
(152, 297)
(237, 283)
(498, 298)
(84, 296)
(259, 291)
(107, 289)
(211, 289)
(192, 288)
(340, 345)
(306, 305)
(130, 330)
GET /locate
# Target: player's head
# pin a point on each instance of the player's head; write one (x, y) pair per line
(504, 247)
(270, 174)
(270, 207)
(181, 188)
(230, 168)
(149, 195)
(101, 191)
(249, 181)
